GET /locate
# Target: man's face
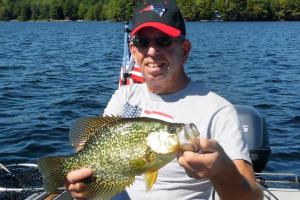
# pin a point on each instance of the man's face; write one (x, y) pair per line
(162, 65)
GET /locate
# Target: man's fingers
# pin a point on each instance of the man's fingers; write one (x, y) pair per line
(73, 180)
(78, 196)
(188, 158)
(207, 145)
(191, 174)
(193, 163)
(76, 191)
(75, 187)
(78, 175)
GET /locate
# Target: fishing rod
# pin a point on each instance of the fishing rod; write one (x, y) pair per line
(126, 55)
(5, 167)
(128, 62)
(2, 189)
(37, 189)
(22, 165)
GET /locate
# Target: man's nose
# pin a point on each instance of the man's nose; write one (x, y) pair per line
(152, 49)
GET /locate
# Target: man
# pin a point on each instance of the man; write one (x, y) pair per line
(159, 46)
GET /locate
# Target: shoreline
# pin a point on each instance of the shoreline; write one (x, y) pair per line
(203, 20)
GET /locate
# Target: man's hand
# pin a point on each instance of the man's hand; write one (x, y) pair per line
(231, 179)
(73, 180)
(206, 164)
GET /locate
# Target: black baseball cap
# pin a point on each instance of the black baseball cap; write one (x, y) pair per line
(163, 15)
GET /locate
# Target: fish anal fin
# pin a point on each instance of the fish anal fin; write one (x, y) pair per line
(105, 189)
(85, 127)
(150, 178)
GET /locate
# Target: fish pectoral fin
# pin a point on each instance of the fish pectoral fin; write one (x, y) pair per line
(150, 178)
(105, 189)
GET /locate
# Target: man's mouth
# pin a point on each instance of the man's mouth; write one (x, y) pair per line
(155, 69)
(155, 65)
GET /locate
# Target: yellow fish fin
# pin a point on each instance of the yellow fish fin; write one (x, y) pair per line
(150, 178)
(105, 189)
(85, 127)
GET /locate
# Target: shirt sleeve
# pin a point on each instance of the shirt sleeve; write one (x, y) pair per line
(227, 130)
(115, 104)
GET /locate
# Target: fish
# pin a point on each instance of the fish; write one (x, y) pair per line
(118, 149)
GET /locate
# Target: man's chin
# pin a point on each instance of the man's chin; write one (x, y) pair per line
(157, 76)
(156, 80)
(156, 84)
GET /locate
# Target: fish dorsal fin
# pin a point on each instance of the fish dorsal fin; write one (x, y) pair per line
(85, 127)
(105, 189)
(150, 178)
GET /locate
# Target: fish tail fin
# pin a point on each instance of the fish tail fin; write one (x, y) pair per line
(53, 172)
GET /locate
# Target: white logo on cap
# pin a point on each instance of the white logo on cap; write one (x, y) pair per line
(155, 8)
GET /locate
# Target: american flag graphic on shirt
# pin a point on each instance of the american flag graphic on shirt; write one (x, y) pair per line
(131, 111)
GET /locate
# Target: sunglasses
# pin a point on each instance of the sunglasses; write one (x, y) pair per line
(161, 42)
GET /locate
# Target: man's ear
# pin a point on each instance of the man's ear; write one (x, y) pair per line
(186, 48)
(131, 48)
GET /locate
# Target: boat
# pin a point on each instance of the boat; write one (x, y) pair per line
(217, 17)
(276, 186)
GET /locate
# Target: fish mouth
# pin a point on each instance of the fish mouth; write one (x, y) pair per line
(188, 138)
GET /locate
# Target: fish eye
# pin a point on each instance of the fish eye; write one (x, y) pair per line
(172, 129)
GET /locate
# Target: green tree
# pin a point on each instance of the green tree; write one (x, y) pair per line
(82, 10)
(45, 10)
(56, 10)
(277, 9)
(294, 9)
(25, 11)
(91, 13)
(258, 10)
(99, 15)
(127, 7)
(35, 11)
(94, 12)
(4, 13)
(188, 9)
(120, 10)
(233, 10)
(204, 9)
(113, 10)
(70, 9)
(221, 6)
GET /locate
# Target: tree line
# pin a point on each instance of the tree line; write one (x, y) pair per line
(121, 10)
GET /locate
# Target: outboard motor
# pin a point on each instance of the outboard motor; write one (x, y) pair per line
(255, 130)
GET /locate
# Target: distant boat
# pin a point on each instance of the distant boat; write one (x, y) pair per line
(217, 16)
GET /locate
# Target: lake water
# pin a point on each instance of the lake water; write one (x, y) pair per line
(54, 73)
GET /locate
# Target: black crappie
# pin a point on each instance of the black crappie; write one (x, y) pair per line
(117, 149)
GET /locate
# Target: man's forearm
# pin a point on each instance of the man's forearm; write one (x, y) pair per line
(231, 185)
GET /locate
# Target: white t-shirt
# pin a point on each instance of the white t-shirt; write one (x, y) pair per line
(214, 117)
